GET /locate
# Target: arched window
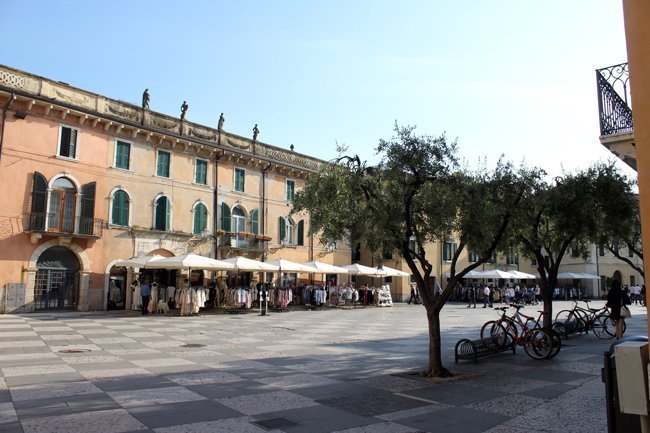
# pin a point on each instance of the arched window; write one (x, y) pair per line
(120, 214)
(287, 227)
(238, 225)
(200, 219)
(161, 213)
(63, 202)
(238, 220)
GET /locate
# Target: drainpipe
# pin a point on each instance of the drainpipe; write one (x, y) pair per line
(4, 119)
(215, 201)
(263, 211)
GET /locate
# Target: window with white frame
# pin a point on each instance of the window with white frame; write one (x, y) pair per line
(163, 163)
(120, 208)
(68, 142)
(122, 154)
(162, 213)
(240, 179)
(201, 171)
(291, 190)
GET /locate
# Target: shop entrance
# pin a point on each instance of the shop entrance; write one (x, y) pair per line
(57, 280)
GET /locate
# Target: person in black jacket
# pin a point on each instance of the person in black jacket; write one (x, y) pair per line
(615, 300)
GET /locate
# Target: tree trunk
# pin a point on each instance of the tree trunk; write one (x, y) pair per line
(436, 369)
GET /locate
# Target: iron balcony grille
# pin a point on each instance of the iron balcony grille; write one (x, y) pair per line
(53, 223)
(614, 100)
(243, 241)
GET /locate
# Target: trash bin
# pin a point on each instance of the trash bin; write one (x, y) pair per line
(617, 422)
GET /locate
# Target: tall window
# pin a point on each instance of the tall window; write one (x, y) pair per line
(291, 189)
(601, 251)
(472, 257)
(63, 200)
(630, 253)
(68, 142)
(201, 173)
(286, 227)
(238, 225)
(120, 214)
(162, 166)
(200, 219)
(446, 251)
(161, 217)
(240, 177)
(255, 221)
(122, 154)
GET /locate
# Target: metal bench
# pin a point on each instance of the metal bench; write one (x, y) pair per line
(475, 349)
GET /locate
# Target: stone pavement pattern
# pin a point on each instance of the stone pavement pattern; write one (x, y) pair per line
(302, 371)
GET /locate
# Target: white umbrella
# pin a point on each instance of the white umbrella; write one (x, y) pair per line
(390, 272)
(139, 261)
(576, 276)
(190, 261)
(495, 273)
(357, 269)
(324, 268)
(289, 266)
(522, 275)
(473, 274)
(248, 265)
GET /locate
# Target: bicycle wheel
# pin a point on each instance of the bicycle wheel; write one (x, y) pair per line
(486, 329)
(570, 321)
(557, 344)
(538, 343)
(602, 328)
(560, 330)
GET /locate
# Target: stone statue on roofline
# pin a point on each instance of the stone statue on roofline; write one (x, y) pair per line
(256, 132)
(145, 99)
(221, 121)
(184, 110)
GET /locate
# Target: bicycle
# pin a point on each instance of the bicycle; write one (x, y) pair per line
(522, 330)
(579, 319)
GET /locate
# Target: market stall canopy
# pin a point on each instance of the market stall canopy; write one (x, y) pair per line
(576, 276)
(495, 273)
(522, 275)
(289, 266)
(357, 269)
(190, 261)
(249, 265)
(139, 261)
(324, 268)
(391, 272)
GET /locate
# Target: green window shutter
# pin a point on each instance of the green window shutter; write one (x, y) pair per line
(200, 218)
(240, 176)
(255, 221)
(301, 232)
(87, 213)
(64, 146)
(163, 164)
(39, 202)
(225, 217)
(162, 213)
(122, 154)
(120, 208)
(201, 171)
(283, 229)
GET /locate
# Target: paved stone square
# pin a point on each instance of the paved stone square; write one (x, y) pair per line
(300, 371)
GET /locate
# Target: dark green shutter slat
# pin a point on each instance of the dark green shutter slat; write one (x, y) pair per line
(39, 202)
(301, 232)
(255, 221)
(87, 213)
(225, 217)
(162, 213)
(283, 228)
(65, 142)
(197, 220)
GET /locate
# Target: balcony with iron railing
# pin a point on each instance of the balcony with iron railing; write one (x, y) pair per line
(243, 241)
(615, 112)
(63, 225)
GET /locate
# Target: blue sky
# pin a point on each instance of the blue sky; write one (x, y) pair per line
(513, 77)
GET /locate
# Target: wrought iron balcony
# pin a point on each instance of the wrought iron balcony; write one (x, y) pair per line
(243, 241)
(57, 224)
(614, 100)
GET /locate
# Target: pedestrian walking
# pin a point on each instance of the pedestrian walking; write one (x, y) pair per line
(145, 293)
(471, 296)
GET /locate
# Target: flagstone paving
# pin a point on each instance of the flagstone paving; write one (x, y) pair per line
(333, 370)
